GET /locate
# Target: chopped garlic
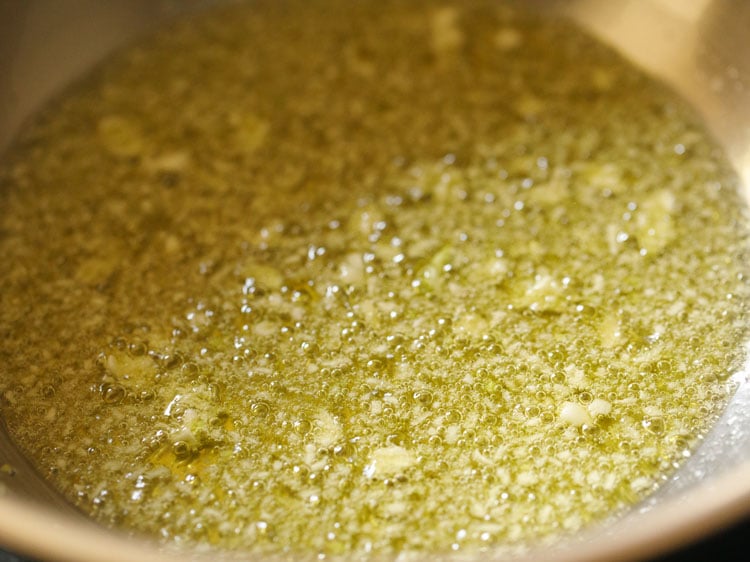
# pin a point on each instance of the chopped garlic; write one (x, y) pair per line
(574, 414)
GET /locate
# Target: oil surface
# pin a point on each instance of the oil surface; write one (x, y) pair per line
(354, 278)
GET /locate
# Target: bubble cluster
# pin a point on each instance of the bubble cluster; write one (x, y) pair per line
(344, 300)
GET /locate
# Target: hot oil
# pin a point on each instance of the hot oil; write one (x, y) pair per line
(360, 278)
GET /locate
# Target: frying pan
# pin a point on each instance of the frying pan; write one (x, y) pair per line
(699, 47)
